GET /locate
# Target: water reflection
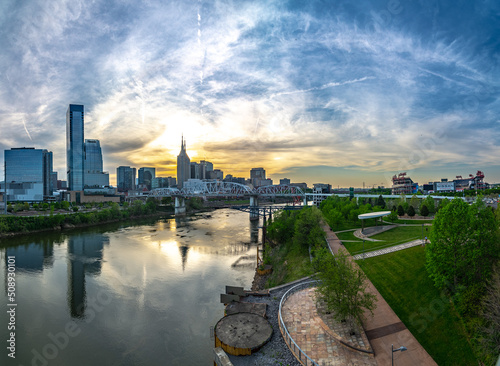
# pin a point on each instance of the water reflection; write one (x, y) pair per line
(85, 256)
(32, 257)
(183, 249)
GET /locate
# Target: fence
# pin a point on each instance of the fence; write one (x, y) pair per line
(297, 351)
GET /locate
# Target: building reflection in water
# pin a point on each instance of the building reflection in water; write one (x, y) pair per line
(184, 249)
(85, 257)
(32, 257)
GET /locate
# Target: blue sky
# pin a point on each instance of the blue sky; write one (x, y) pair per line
(340, 92)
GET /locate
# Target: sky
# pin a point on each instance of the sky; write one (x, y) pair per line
(341, 92)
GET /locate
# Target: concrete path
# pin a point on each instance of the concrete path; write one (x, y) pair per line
(395, 248)
(385, 328)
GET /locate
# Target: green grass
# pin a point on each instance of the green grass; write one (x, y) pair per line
(413, 222)
(401, 278)
(396, 236)
(288, 265)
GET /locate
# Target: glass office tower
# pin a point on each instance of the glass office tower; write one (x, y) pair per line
(146, 176)
(93, 175)
(74, 147)
(125, 177)
(24, 173)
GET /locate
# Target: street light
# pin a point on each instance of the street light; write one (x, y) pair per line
(402, 349)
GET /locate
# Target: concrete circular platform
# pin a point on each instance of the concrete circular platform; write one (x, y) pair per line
(242, 333)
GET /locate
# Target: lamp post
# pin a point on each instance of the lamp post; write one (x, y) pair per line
(402, 349)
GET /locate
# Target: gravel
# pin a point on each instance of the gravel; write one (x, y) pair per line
(275, 352)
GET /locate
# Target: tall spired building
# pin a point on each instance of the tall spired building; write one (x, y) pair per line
(183, 165)
(75, 156)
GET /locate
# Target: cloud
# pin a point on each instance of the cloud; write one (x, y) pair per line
(363, 86)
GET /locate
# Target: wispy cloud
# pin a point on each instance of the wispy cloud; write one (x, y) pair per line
(265, 83)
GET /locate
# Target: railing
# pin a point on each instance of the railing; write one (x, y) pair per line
(297, 351)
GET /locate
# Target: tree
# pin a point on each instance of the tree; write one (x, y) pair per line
(463, 245)
(424, 211)
(393, 216)
(401, 210)
(380, 201)
(414, 202)
(342, 286)
(411, 211)
(490, 340)
(429, 203)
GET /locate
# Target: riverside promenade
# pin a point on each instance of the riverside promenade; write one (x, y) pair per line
(384, 328)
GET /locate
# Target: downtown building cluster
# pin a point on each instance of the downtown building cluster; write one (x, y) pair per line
(29, 174)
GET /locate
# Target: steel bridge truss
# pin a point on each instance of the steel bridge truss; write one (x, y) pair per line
(279, 190)
(219, 189)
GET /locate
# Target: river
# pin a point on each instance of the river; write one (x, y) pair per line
(145, 293)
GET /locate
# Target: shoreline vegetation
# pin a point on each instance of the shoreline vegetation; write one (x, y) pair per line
(39, 218)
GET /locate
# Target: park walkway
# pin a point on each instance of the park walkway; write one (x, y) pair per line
(385, 328)
(319, 335)
(394, 248)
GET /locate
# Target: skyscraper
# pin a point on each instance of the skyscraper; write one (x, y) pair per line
(146, 176)
(93, 174)
(183, 165)
(205, 168)
(74, 147)
(28, 172)
(125, 177)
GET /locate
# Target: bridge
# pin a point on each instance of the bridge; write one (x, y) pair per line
(211, 189)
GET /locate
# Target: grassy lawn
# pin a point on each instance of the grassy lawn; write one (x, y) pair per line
(402, 280)
(398, 235)
(413, 222)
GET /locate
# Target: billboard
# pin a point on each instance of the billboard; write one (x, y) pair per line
(445, 186)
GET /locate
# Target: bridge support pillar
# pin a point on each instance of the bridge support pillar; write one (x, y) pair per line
(180, 206)
(305, 201)
(254, 208)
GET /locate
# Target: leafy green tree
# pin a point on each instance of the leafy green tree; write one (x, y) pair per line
(463, 245)
(65, 205)
(414, 202)
(424, 211)
(342, 286)
(442, 203)
(393, 216)
(490, 331)
(401, 210)
(307, 227)
(429, 203)
(411, 211)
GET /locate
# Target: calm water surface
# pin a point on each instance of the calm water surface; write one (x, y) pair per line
(125, 295)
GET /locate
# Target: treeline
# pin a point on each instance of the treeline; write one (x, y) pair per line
(16, 224)
(463, 260)
(342, 212)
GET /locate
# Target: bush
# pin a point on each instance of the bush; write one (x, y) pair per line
(424, 211)
(401, 210)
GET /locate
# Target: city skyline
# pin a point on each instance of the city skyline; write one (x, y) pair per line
(341, 93)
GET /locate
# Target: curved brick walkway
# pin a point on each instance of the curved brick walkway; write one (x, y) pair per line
(314, 337)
